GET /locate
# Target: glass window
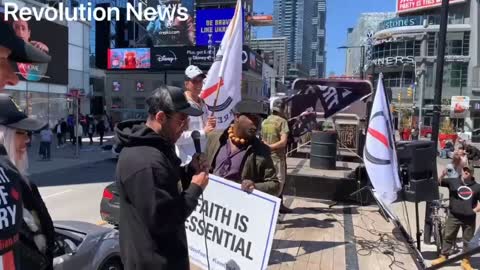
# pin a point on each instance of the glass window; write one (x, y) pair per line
(431, 44)
(418, 47)
(466, 43)
(314, 58)
(458, 74)
(401, 50)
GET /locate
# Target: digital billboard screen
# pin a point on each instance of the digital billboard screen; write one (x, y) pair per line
(176, 27)
(128, 58)
(49, 37)
(211, 25)
(412, 5)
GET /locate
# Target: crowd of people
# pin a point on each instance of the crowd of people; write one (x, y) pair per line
(160, 174)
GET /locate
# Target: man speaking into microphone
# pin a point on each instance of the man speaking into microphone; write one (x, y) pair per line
(156, 193)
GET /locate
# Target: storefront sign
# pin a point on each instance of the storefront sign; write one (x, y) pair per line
(401, 22)
(393, 61)
(235, 236)
(459, 106)
(211, 25)
(252, 60)
(411, 5)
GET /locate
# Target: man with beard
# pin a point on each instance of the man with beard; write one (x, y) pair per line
(156, 193)
(238, 155)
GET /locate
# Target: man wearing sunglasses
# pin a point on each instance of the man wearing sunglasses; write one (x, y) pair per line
(194, 77)
(156, 193)
(464, 198)
(238, 155)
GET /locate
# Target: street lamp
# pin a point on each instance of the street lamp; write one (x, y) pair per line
(362, 57)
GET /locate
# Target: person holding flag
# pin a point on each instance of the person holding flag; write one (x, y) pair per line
(205, 124)
(222, 88)
(380, 155)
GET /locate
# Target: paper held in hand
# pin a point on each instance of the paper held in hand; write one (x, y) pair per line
(239, 227)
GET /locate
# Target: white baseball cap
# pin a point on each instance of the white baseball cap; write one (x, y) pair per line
(193, 71)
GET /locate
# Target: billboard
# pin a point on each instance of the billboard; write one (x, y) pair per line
(140, 86)
(251, 60)
(413, 5)
(211, 25)
(459, 106)
(181, 57)
(115, 86)
(51, 38)
(128, 58)
(170, 29)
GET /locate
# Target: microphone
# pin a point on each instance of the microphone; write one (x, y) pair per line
(196, 141)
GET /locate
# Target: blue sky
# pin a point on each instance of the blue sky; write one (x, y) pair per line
(341, 14)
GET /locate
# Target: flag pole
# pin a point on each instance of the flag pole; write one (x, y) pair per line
(216, 97)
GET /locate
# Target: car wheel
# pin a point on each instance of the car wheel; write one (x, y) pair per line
(112, 264)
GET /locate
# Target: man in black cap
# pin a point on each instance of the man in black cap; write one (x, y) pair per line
(12, 182)
(156, 194)
(238, 155)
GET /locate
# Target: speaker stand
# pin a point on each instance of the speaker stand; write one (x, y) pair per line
(417, 221)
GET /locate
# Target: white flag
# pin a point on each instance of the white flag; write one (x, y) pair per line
(379, 155)
(226, 71)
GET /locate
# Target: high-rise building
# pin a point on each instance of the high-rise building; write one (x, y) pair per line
(360, 35)
(404, 49)
(274, 51)
(302, 22)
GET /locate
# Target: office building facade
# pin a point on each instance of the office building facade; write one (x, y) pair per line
(361, 35)
(274, 51)
(302, 23)
(405, 48)
(45, 94)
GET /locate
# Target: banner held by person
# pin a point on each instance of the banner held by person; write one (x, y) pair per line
(222, 88)
(334, 95)
(380, 155)
(239, 227)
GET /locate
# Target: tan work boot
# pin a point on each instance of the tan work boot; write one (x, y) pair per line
(439, 260)
(466, 264)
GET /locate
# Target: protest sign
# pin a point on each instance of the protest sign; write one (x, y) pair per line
(238, 227)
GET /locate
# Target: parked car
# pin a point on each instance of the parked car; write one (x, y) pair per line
(110, 205)
(85, 246)
(426, 132)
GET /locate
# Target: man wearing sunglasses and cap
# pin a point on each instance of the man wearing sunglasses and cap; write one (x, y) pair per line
(157, 194)
(464, 198)
(238, 155)
(27, 218)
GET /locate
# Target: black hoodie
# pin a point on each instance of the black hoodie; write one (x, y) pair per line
(155, 200)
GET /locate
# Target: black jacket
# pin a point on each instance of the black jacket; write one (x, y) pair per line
(154, 203)
(29, 198)
(10, 182)
(463, 196)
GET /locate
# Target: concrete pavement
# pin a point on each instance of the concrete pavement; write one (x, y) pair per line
(65, 157)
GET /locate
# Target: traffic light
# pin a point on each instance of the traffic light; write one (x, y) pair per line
(409, 92)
